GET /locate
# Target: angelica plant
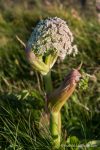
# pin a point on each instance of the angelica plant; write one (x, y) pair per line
(50, 40)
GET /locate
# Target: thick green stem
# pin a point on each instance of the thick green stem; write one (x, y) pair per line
(55, 118)
(56, 101)
(48, 83)
(55, 128)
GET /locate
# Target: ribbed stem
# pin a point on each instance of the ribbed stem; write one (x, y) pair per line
(48, 82)
(55, 128)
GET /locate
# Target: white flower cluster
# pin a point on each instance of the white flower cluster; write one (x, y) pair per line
(50, 35)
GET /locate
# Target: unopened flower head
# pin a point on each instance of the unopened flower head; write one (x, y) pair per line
(51, 35)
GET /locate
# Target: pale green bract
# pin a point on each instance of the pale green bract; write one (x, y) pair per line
(52, 35)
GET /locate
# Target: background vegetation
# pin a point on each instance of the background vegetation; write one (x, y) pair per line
(21, 96)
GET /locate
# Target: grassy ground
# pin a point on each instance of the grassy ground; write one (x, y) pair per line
(21, 99)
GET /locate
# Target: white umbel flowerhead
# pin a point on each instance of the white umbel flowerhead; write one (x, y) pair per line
(52, 34)
(50, 39)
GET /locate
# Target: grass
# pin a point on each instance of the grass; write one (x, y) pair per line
(21, 99)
